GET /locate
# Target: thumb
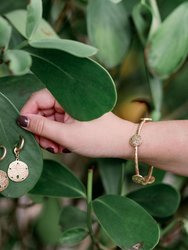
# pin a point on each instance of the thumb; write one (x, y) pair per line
(43, 127)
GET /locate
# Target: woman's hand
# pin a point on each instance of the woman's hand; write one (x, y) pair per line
(164, 143)
(57, 132)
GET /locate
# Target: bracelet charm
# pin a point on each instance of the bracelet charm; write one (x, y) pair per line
(135, 141)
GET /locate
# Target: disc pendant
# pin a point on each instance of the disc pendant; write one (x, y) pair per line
(18, 171)
(3, 180)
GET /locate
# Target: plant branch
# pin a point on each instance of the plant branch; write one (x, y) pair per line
(89, 204)
(155, 9)
(156, 17)
(122, 180)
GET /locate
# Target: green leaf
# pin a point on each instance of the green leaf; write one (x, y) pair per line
(69, 78)
(30, 154)
(72, 217)
(23, 87)
(18, 61)
(159, 200)
(47, 226)
(58, 181)
(18, 19)
(73, 47)
(5, 33)
(111, 174)
(74, 225)
(34, 17)
(115, 1)
(109, 32)
(105, 240)
(142, 17)
(167, 49)
(73, 236)
(129, 5)
(126, 222)
(17, 40)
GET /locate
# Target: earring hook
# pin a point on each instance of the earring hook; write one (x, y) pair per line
(4, 152)
(20, 145)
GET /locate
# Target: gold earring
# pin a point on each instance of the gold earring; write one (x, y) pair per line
(3, 175)
(18, 170)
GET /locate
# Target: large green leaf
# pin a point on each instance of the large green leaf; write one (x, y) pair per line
(5, 33)
(30, 154)
(72, 217)
(159, 200)
(74, 225)
(18, 61)
(23, 87)
(167, 49)
(18, 19)
(34, 17)
(70, 46)
(70, 78)
(111, 174)
(58, 181)
(126, 222)
(109, 30)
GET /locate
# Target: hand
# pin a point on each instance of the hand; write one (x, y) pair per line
(57, 132)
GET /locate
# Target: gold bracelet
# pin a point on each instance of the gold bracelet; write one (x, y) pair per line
(135, 141)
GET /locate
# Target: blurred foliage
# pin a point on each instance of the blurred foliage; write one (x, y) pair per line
(144, 46)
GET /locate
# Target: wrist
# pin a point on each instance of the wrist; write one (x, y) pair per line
(126, 131)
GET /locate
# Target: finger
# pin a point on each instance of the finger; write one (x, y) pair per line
(52, 147)
(42, 99)
(47, 112)
(49, 145)
(41, 126)
(59, 117)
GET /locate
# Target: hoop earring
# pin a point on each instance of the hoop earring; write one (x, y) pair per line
(18, 170)
(4, 181)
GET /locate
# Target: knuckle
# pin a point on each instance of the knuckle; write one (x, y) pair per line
(33, 95)
(39, 126)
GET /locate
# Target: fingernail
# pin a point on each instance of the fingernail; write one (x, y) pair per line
(51, 150)
(22, 121)
(66, 150)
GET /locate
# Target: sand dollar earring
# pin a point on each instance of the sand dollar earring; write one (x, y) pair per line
(18, 170)
(4, 181)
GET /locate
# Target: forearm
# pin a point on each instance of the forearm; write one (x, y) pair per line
(165, 145)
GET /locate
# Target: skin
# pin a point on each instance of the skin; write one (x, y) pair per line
(165, 143)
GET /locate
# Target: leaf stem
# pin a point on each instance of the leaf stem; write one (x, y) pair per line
(90, 185)
(156, 17)
(122, 180)
(89, 204)
(22, 44)
(156, 89)
(155, 9)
